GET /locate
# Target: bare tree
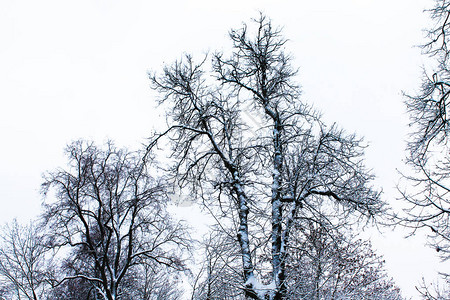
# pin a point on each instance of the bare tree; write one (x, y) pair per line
(429, 185)
(25, 262)
(426, 189)
(324, 262)
(220, 272)
(245, 137)
(328, 264)
(151, 281)
(434, 291)
(110, 215)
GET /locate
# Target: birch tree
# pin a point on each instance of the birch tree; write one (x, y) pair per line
(110, 215)
(245, 144)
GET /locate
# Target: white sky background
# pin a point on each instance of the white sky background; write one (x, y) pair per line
(77, 69)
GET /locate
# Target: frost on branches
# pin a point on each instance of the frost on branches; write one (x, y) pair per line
(260, 159)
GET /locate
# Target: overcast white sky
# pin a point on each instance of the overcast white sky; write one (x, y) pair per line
(78, 69)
